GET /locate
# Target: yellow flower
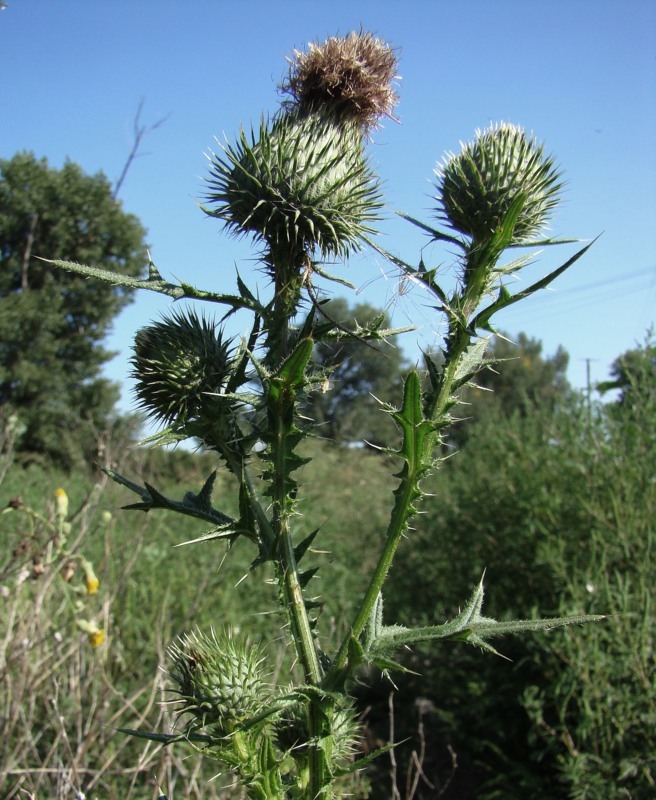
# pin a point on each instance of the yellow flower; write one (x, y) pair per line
(95, 633)
(61, 504)
(91, 578)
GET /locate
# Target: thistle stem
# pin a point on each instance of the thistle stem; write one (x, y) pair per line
(282, 416)
(398, 524)
(459, 338)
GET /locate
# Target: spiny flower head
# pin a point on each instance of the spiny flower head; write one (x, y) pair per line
(351, 75)
(181, 365)
(219, 681)
(301, 184)
(477, 187)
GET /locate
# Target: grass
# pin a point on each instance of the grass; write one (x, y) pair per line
(63, 699)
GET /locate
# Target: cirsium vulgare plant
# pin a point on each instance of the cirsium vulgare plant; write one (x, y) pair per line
(301, 186)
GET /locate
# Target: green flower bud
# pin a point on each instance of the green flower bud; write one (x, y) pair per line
(302, 185)
(181, 366)
(477, 187)
(220, 682)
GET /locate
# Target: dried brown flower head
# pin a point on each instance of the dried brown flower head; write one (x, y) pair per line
(351, 74)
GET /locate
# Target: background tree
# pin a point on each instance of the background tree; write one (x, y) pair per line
(53, 323)
(557, 508)
(345, 408)
(633, 373)
(521, 380)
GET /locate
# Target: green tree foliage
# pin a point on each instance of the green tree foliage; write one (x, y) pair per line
(599, 719)
(519, 379)
(53, 323)
(633, 373)
(557, 506)
(357, 372)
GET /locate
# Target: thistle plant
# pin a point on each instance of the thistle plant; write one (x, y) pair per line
(301, 187)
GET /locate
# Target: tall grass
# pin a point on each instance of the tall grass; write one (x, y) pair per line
(62, 699)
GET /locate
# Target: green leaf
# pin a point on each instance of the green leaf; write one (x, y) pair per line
(301, 549)
(305, 577)
(359, 763)
(385, 664)
(168, 436)
(292, 371)
(154, 283)
(191, 505)
(482, 320)
(439, 236)
(166, 738)
(543, 242)
(356, 653)
(471, 362)
(374, 625)
(469, 626)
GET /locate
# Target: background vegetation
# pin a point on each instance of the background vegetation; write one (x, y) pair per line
(554, 499)
(53, 324)
(551, 494)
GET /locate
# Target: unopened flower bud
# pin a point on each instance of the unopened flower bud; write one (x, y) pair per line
(219, 681)
(477, 187)
(300, 184)
(181, 365)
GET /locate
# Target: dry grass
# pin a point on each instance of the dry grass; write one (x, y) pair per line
(62, 700)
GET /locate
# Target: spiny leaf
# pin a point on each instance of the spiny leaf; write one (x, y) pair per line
(439, 236)
(469, 626)
(204, 497)
(471, 362)
(192, 505)
(374, 625)
(305, 577)
(482, 320)
(166, 738)
(301, 548)
(417, 443)
(168, 436)
(226, 532)
(153, 284)
(359, 763)
(292, 371)
(385, 664)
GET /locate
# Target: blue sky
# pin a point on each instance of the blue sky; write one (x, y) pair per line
(580, 74)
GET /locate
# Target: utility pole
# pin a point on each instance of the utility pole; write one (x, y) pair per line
(588, 388)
